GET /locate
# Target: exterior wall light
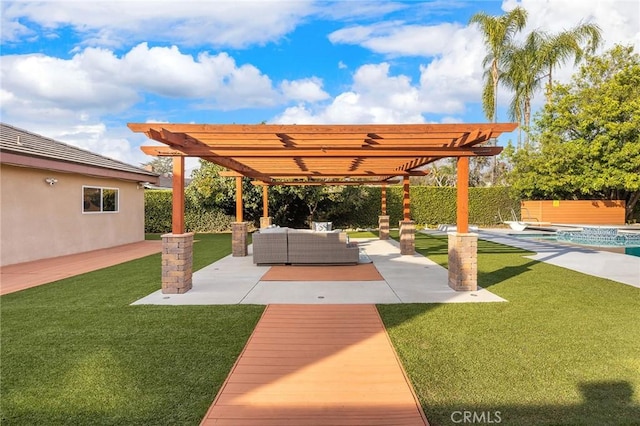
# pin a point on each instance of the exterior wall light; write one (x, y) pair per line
(51, 181)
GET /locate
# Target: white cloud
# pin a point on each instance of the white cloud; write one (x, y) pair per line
(66, 99)
(114, 22)
(375, 96)
(97, 81)
(345, 10)
(618, 19)
(307, 89)
(395, 38)
(452, 74)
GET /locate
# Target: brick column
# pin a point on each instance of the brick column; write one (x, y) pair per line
(407, 237)
(177, 263)
(383, 227)
(239, 239)
(463, 261)
(265, 222)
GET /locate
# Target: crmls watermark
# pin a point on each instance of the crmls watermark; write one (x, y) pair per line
(484, 417)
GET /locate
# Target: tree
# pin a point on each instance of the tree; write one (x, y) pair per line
(559, 48)
(528, 64)
(160, 165)
(209, 191)
(586, 140)
(498, 33)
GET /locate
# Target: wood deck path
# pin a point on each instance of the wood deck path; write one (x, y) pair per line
(317, 365)
(30, 274)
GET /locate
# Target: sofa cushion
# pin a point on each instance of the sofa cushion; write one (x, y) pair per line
(273, 230)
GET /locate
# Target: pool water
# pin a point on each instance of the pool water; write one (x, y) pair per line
(631, 251)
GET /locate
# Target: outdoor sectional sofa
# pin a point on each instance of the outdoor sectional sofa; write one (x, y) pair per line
(303, 246)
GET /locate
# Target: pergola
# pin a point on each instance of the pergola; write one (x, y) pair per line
(367, 154)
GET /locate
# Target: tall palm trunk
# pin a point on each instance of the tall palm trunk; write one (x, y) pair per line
(527, 118)
(496, 77)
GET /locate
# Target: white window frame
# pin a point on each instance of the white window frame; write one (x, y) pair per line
(101, 188)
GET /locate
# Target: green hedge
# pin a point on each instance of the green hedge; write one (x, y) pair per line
(157, 209)
(354, 208)
(437, 205)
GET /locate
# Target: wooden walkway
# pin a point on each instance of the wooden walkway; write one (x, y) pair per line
(317, 365)
(30, 274)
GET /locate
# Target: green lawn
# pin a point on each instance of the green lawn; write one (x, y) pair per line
(564, 350)
(76, 352)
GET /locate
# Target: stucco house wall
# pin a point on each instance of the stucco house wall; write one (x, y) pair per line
(39, 220)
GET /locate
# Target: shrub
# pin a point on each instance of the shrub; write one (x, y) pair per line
(158, 211)
(207, 221)
(346, 207)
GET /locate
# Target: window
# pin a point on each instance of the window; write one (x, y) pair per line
(97, 200)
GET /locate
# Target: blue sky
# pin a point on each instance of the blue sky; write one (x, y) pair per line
(78, 71)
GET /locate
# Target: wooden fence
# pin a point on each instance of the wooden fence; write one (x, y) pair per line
(587, 212)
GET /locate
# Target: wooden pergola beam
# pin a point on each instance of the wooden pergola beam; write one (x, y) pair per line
(275, 174)
(327, 153)
(371, 130)
(239, 204)
(320, 183)
(265, 201)
(177, 205)
(462, 196)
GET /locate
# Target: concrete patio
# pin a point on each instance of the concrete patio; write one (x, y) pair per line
(407, 279)
(596, 261)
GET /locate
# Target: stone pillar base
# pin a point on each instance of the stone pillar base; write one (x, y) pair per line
(239, 239)
(407, 237)
(463, 261)
(265, 222)
(177, 263)
(383, 227)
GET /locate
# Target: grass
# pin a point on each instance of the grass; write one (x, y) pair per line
(76, 352)
(564, 350)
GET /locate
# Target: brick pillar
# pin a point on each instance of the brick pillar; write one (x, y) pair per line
(407, 237)
(177, 263)
(265, 222)
(383, 227)
(463, 261)
(239, 239)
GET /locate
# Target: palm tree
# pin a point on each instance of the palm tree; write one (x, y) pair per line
(498, 32)
(559, 48)
(528, 64)
(522, 76)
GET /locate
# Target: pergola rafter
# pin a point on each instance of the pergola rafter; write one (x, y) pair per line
(265, 151)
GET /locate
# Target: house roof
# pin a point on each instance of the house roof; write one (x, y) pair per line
(166, 182)
(367, 153)
(23, 148)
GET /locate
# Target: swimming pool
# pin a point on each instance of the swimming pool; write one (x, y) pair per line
(625, 245)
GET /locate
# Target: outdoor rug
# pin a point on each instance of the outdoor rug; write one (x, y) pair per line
(359, 272)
